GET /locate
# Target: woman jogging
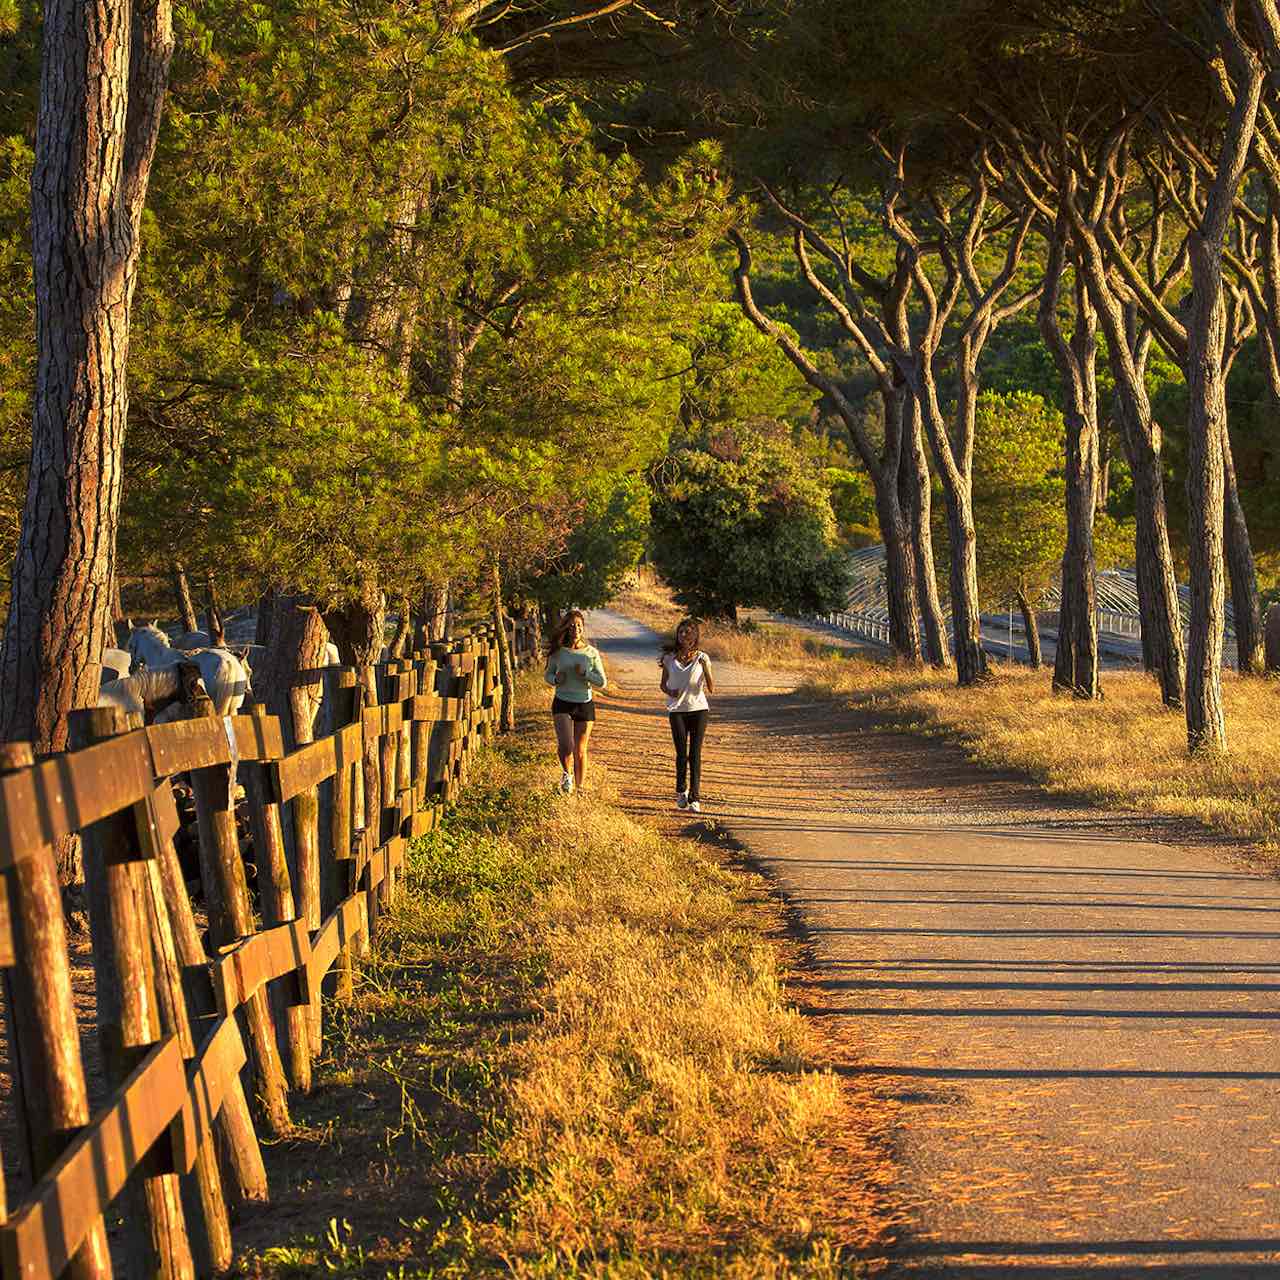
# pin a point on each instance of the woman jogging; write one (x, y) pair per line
(573, 667)
(686, 680)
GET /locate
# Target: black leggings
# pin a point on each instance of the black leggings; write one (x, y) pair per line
(687, 729)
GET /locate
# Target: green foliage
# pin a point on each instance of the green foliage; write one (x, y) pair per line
(604, 546)
(736, 373)
(739, 521)
(1018, 495)
(393, 316)
(853, 502)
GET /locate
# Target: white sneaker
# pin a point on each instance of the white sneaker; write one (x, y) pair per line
(566, 784)
(695, 806)
(682, 801)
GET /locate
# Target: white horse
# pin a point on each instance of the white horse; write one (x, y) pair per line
(225, 676)
(156, 696)
(115, 665)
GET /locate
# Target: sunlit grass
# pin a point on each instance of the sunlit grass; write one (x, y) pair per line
(583, 1062)
(1126, 751)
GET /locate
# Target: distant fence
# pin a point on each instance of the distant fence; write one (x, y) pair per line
(869, 624)
(873, 623)
(189, 1032)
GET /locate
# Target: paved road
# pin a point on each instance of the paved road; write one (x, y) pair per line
(1077, 1028)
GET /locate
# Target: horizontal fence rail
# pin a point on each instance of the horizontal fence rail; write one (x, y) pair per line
(192, 1025)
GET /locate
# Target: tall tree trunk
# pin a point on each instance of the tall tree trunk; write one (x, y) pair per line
(917, 502)
(435, 606)
(506, 667)
(401, 642)
(966, 618)
(1031, 626)
(182, 591)
(102, 86)
(1206, 488)
(1076, 658)
(1162, 645)
(900, 568)
(213, 615)
(1157, 584)
(900, 576)
(358, 626)
(1246, 603)
(262, 623)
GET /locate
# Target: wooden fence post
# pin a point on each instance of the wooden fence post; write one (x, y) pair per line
(125, 991)
(240, 1147)
(388, 750)
(425, 675)
(44, 1054)
(275, 894)
(202, 1193)
(337, 870)
(306, 829)
(227, 895)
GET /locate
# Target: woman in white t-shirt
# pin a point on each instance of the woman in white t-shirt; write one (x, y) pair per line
(686, 680)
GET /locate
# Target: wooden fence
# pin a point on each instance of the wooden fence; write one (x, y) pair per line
(192, 1027)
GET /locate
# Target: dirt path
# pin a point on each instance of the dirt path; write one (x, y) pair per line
(1075, 1025)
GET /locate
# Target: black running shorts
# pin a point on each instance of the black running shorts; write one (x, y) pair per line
(581, 712)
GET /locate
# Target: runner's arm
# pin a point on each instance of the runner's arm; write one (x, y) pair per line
(595, 670)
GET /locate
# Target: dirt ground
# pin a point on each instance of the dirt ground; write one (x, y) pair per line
(1067, 1016)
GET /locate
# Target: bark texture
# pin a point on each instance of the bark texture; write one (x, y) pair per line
(182, 594)
(1206, 491)
(358, 626)
(103, 77)
(1031, 626)
(873, 339)
(1246, 603)
(917, 502)
(1076, 658)
(213, 615)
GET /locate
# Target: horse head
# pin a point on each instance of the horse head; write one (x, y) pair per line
(142, 638)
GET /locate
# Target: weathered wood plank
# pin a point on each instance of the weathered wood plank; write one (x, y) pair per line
(126, 1000)
(278, 905)
(304, 768)
(344, 923)
(69, 791)
(46, 1072)
(68, 1202)
(381, 719)
(6, 933)
(423, 820)
(210, 1078)
(431, 707)
(245, 968)
(205, 741)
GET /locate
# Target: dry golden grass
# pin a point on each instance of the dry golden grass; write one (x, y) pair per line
(1124, 752)
(582, 1062)
(662, 1117)
(756, 644)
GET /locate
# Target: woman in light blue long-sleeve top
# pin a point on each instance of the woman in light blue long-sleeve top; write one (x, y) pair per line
(574, 668)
